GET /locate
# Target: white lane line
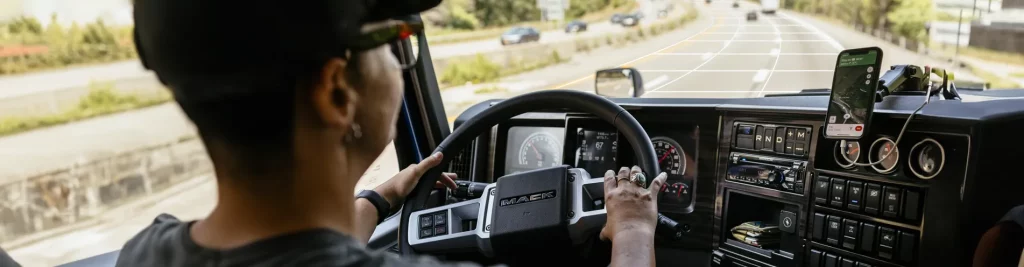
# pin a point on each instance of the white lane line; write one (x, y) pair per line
(670, 46)
(773, 53)
(724, 33)
(657, 81)
(835, 44)
(748, 25)
(764, 84)
(761, 75)
(706, 56)
(697, 70)
(701, 64)
(740, 91)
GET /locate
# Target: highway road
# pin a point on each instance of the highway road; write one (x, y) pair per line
(733, 57)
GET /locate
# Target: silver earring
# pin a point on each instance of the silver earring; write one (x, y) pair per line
(357, 132)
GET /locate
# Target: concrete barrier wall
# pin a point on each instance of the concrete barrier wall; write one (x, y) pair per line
(78, 193)
(1004, 38)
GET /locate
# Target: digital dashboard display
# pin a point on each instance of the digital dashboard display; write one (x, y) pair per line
(595, 151)
(531, 148)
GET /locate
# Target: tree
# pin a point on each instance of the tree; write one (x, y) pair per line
(504, 12)
(908, 18)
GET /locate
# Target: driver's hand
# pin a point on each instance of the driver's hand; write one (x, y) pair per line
(398, 187)
(631, 208)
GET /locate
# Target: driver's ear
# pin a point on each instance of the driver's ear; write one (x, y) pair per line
(333, 96)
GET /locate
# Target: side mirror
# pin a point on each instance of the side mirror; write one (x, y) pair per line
(619, 82)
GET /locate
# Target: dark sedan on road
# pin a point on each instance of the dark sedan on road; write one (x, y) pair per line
(576, 26)
(617, 18)
(752, 16)
(630, 20)
(520, 35)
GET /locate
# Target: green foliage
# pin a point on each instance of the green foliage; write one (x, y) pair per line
(994, 81)
(93, 43)
(909, 17)
(505, 12)
(476, 70)
(943, 16)
(578, 8)
(23, 25)
(463, 20)
(101, 100)
(489, 90)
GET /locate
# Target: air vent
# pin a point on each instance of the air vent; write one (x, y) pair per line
(462, 164)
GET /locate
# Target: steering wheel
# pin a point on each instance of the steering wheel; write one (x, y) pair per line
(533, 224)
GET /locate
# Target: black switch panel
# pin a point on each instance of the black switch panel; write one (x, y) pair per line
(834, 231)
(818, 229)
(821, 187)
(867, 237)
(831, 260)
(759, 138)
(891, 202)
(862, 264)
(846, 263)
(886, 242)
(854, 193)
(911, 205)
(850, 233)
(838, 192)
(907, 249)
(787, 221)
(780, 140)
(769, 139)
(815, 259)
(872, 198)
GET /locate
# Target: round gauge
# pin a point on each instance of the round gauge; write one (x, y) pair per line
(671, 158)
(927, 158)
(848, 155)
(540, 150)
(879, 149)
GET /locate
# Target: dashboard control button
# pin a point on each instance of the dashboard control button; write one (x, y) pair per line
(745, 129)
(425, 233)
(769, 139)
(846, 263)
(838, 192)
(872, 198)
(789, 148)
(745, 142)
(867, 237)
(819, 227)
(780, 139)
(790, 134)
(862, 264)
(759, 138)
(831, 260)
(911, 204)
(834, 231)
(907, 249)
(441, 218)
(891, 202)
(801, 134)
(787, 221)
(426, 220)
(886, 242)
(440, 230)
(799, 149)
(815, 260)
(854, 194)
(821, 187)
(850, 233)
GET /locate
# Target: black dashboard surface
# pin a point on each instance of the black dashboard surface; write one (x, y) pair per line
(978, 128)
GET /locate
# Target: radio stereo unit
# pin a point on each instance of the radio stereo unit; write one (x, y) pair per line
(771, 172)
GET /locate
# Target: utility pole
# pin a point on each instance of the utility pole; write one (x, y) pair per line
(974, 7)
(956, 51)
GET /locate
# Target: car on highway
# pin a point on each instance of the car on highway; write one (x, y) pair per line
(630, 20)
(519, 35)
(752, 16)
(616, 18)
(735, 4)
(576, 26)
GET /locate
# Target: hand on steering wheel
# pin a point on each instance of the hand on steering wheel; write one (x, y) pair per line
(631, 208)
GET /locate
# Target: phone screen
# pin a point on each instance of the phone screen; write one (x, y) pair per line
(853, 93)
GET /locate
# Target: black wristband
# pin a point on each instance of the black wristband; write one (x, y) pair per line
(382, 205)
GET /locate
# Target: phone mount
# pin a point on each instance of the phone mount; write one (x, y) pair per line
(915, 79)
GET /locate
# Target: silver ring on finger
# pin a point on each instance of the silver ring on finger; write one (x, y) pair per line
(639, 179)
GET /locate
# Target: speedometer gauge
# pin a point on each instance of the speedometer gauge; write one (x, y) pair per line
(671, 158)
(540, 150)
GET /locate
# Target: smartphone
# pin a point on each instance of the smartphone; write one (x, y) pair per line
(854, 85)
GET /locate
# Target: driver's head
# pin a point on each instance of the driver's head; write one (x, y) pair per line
(280, 89)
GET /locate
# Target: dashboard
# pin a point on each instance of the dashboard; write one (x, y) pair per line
(755, 183)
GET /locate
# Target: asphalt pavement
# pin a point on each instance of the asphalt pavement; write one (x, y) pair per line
(734, 57)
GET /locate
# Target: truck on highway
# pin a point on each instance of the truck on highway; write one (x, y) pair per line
(769, 6)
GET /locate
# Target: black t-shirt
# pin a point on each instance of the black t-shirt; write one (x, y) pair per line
(167, 243)
(6, 260)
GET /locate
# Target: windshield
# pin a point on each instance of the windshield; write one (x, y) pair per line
(93, 147)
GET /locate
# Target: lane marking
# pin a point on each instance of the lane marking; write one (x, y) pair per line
(737, 33)
(706, 56)
(777, 40)
(834, 43)
(774, 52)
(764, 84)
(761, 75)
(755, 25)
(697, 70)
(624, 65)
(661, 79)
(724, 33)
